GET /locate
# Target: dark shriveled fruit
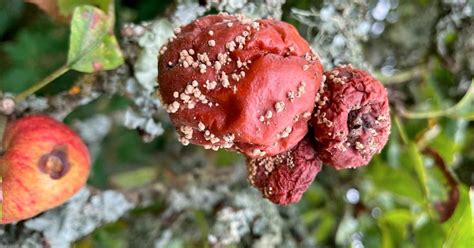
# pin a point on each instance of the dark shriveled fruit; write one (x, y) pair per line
(351, 120)
(284, 178)
(235, 83)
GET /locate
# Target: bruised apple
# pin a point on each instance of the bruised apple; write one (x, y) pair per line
(43, 164)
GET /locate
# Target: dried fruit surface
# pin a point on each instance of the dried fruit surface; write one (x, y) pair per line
(44, 164)
(230, 82)
(351, 120)
(284, 178)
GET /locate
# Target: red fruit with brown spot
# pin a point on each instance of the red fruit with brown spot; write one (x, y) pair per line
(284, 178)
(352, 120)
(44, 164)
(230, 82)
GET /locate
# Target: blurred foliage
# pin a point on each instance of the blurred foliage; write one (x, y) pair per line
(32, 53)
(414, 194)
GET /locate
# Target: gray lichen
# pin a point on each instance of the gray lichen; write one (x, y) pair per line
(247, 215)
(252, 9)
(33, 103)
(337, 30)
(187, 11)
(146, 66)
(79, 216)
(61, 226)
(454, 38)
(133, 120)
(93, 130)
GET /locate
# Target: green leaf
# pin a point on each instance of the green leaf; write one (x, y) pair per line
(93, 46)
(394, 180)
(450, 141)
(463, 109)
(398, 217)
(461, 226)
(430, 234)
(387, 239)
(471, 203)
(110, 235)
(416, 160)
(393, 224)
(66, 7)
(202, 223)
(325, 227)
(135, 178)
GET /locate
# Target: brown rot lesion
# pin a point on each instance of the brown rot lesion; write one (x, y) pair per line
(55, 163)
(360, 118)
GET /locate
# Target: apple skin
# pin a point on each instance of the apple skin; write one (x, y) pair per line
(43, 165)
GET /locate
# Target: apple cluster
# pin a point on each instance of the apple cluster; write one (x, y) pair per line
(256, 87)
(228, 82)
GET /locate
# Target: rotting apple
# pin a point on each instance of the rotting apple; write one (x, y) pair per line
(352, 118)
(43, 164)
(283, 178)
(246, 85)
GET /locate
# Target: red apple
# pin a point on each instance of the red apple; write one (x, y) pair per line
(44, 164)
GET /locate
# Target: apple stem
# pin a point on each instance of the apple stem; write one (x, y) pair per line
(40, 84)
